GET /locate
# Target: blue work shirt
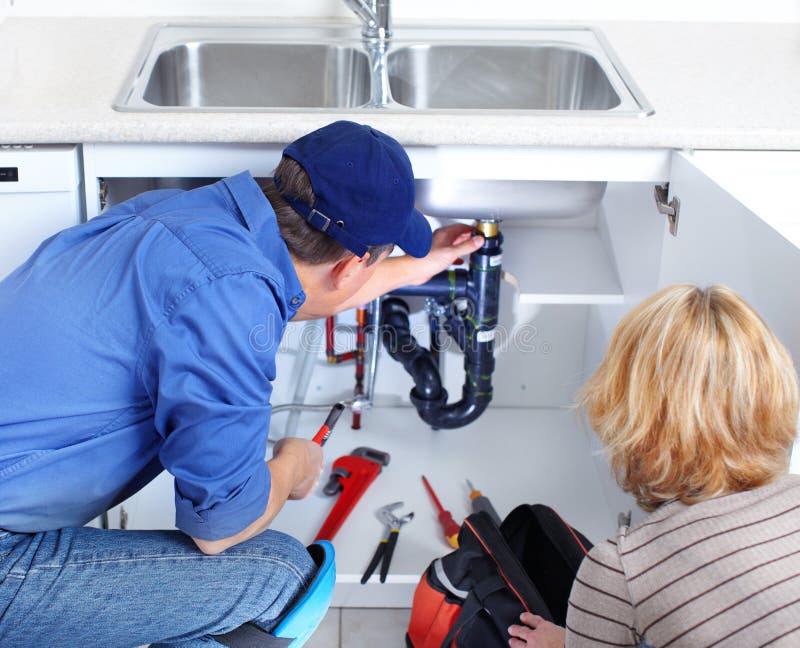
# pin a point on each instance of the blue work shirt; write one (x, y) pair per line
(141, 340)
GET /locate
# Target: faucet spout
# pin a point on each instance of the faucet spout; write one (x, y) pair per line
(375, 16)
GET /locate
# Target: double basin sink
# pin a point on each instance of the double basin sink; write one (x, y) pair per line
(330, 68)
(286, 68)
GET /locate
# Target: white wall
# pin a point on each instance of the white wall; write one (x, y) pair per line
(423, 10)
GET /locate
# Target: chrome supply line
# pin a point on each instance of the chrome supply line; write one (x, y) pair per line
(307, 361)
(353, 403)
(359, 403)
(374, 348)
(301, 407)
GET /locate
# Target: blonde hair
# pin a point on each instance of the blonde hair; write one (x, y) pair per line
(695, 398)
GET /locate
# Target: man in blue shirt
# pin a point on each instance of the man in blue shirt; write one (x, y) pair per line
(145, 340)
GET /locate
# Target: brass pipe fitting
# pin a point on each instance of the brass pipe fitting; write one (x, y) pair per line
(488, 228)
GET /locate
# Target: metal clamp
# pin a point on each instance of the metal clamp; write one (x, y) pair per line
(670, 209)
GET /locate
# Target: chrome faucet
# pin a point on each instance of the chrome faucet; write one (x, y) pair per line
(376, 30)
(376, 18)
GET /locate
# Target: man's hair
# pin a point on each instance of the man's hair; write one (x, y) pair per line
(305, 243)
(695, 398)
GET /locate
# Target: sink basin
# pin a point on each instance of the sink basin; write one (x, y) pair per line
(247, 68)
(506, 200)
(259, 75)
(307, 68)
(499, 77)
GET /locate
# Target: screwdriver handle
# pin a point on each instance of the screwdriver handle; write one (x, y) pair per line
(482, 503)
(450, 528)
(449, 525)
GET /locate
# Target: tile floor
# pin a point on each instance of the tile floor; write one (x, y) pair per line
(361, 628)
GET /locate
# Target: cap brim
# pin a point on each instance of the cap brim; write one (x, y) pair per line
(417, 238)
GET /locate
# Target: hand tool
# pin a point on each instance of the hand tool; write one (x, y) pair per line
(351, 475)
(383, 554)
(481, 503)
(327, 427)
(449, 525)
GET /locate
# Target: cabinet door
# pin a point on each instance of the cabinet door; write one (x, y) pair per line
(720, 241)
(39, 195)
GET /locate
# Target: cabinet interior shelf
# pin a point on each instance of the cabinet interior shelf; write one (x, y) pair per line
(515, 455)
(561, 266)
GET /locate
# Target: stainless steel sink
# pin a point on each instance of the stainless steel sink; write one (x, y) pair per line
(517, 200)
(330, 68)
(259, 75)
(499, 77)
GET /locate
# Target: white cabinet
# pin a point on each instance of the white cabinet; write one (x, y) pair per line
(40, 194)
(740, 225)
(721, 240)
(577, 278)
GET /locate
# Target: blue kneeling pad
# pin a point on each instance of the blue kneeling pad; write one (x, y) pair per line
(302, 620)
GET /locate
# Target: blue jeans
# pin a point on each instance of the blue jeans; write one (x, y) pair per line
(89, 587)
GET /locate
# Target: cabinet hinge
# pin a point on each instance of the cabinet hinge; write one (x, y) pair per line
(671, 209)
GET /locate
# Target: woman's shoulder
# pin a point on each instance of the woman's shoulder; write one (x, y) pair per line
(772, 497)
(606, 554)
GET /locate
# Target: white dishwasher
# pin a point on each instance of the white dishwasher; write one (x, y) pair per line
(40, 194)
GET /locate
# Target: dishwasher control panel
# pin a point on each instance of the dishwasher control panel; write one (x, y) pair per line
(9, 174)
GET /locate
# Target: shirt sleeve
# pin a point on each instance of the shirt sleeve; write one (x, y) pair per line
(208, 370)
(600, 612)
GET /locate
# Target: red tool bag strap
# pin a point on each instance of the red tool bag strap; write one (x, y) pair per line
(479, 532)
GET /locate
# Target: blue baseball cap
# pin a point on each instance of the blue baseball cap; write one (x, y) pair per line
(364, 189)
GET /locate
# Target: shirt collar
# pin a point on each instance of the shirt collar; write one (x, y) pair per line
(260, 219)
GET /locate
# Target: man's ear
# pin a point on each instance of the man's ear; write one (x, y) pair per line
(348, 269)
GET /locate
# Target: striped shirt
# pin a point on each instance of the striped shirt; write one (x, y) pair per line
(722, 572)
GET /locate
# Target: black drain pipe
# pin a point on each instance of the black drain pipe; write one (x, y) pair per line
(470, 300)
(418, 361)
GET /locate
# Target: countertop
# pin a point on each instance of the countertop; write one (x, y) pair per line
(712, 85)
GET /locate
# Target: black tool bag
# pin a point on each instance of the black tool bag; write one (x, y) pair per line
(469, 597)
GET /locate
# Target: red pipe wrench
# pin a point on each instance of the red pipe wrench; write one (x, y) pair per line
(350, 477)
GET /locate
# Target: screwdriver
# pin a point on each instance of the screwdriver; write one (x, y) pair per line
(449, 525)
(481, 503)
(327, 427)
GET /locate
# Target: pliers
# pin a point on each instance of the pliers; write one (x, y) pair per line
(383, 554)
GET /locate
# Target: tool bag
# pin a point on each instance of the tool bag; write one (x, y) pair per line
(469, 597)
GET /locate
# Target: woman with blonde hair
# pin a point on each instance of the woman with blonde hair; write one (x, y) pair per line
(697, 404)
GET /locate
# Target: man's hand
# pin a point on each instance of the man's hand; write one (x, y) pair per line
(295, 469)
(449, 244)
(305, 457)
(535, 632)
